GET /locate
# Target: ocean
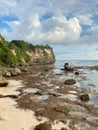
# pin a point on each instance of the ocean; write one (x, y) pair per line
(60, 63)
(87, 80)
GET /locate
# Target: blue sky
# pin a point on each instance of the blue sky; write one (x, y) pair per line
(69, 26)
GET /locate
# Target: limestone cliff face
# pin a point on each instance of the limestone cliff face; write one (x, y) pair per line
(42, 55)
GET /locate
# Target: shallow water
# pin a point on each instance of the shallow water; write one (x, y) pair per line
(86, 80)
(93, 98)
(32, 90)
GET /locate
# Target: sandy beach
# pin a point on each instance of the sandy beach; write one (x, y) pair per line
(11, 117)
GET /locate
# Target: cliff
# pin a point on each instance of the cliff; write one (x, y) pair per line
(18, 51)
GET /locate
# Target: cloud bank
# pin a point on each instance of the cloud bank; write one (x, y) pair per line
(50, 21)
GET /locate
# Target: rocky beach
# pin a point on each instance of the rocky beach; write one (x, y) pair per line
(48, 65)
(40, 98)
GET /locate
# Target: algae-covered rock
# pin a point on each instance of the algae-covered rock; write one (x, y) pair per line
(62, 109)
(70, 82)
(84, 97)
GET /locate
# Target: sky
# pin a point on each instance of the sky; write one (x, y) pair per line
(69, 26)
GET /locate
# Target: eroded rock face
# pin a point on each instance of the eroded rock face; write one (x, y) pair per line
(70, 82)
(84, 97)
(3, 82)
(43, 126)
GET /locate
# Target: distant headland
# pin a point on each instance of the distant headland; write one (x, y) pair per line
(20, 51)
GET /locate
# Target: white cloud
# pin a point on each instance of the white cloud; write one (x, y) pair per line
(57, 29)
(91, 37)
(7, 7)
(61, 30)
(85, 19)
(53, 30)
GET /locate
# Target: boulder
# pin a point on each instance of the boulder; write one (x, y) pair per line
(76, 73)
(85, 97)
(43, 126)
(15, 71)
(6, 73)
(3, 82)
(70, 82)
(67, 67)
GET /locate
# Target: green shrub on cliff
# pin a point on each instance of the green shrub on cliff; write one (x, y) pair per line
(6, 57)
(20, 48)
(17, 51)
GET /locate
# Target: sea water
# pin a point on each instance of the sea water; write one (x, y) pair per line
(88, 80)
(60, 63)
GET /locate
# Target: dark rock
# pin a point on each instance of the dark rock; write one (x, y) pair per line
(66, 65)
(43, 126)
(38, 93)
(54, 94)
(85, 97)
(68, 68)
(12, 96)
(21, 64)
(13, 66)
(70, 82)
(76, 73)
(64, 129)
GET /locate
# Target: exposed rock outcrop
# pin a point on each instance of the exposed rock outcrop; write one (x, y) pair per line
(3, 82)
(42, 55)
(70, 82)
(67, 67)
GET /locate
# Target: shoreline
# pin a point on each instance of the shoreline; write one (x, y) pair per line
(11, 117)
(43, 93)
